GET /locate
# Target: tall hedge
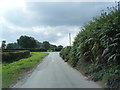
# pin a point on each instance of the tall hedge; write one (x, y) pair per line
(98, 45)
(30, 49)
(14, 56)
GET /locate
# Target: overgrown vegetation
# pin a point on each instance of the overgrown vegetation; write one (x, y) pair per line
(96, 49)
(11, 71)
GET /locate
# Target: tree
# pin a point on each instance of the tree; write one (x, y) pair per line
(12, 46)
(59, 48)
(16, 46)
(27, 42)
(3, 44)
(46, 45)
(53, 47)
(39, 44)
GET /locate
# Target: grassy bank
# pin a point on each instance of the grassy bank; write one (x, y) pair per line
(12, 71)
(0, 75)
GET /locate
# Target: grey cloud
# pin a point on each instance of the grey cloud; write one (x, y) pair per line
(39, 35)
(54, 14)
(64, 17)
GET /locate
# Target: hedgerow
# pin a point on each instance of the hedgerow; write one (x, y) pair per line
(97, 49)
(64, 53)
(14, 56)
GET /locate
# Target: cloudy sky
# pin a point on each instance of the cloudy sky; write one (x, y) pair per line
(47, 21)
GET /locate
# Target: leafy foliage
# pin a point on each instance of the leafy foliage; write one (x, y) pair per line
(64, 53)
(27, 42)
(12, 46)
(98, 44)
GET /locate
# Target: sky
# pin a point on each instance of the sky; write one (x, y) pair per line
(47, 21)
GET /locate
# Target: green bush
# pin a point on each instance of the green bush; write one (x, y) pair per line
(65, 53)
(14, 56)
(111, 77)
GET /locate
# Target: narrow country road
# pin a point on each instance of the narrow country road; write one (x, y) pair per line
(53, 72)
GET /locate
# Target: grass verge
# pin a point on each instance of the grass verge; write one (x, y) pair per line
(0, 75)
(11, 71)
(107, 77)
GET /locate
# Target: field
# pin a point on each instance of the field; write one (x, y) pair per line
(11, 71)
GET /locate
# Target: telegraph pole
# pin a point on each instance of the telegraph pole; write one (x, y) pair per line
(70, 38)
(119, 6)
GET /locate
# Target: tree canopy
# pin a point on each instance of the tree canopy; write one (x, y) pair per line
(27, 42)
(12, 46)
(46, 45)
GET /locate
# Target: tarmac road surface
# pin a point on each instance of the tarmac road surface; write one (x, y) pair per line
(53, 72)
